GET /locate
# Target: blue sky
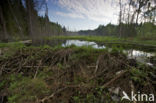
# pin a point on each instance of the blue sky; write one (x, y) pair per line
(83, 14)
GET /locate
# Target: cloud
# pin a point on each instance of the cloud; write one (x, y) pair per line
(72, 15)
(98, 10)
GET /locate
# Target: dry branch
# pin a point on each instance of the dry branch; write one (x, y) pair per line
(52, 95)
(40, 62)
(114, 79)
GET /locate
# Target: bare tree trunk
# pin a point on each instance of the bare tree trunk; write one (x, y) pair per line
(129, 8)
(4, 35)
(120, 19)
(29, 12)
(132, 19)
(137, 18)
(47, 29)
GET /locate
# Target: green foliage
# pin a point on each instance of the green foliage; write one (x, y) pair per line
(2, 84)
(16, 18)
(45, 73)
(78, 79)
(108, 30)
(138, 75)
(12, 45)
(97, 95)
(46, 47)
(85, 52)
(88, 38)
(106, 39)
(60, 65)
(9, 49)
(26, 89)
(147, 31)
(116, 49)
(89, 98)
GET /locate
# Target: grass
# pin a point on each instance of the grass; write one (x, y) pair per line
(12, 45)
(88, 38)
(106, 39)
(26, 89)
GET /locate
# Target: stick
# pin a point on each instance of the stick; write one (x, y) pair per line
(34, 66)
(115, 78)
(52, 95)
(97, 65)
(132, 88)
(37, 69)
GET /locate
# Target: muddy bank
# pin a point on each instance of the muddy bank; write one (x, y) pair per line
(72, 75)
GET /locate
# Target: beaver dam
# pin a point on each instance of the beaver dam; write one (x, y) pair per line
(75, 74)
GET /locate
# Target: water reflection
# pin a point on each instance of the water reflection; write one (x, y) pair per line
(82, 43)
(140, 56)
(137, 53)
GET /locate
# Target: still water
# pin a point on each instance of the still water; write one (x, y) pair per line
(140, 56)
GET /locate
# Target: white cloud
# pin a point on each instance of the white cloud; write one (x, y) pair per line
(98, 10)
(72, 15)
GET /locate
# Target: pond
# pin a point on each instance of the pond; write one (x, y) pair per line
(140, 56)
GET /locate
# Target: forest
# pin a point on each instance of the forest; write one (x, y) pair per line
(20, 20)
(44, 61)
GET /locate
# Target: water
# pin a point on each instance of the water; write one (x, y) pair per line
(140, 56)
(82, 43)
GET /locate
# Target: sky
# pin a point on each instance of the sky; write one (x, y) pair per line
(83, 14)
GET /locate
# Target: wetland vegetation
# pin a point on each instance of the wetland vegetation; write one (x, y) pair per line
(43, 62)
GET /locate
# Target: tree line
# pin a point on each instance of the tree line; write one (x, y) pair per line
(143, 30)
(19, 19)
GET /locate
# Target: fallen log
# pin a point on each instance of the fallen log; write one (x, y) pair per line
(26, 42)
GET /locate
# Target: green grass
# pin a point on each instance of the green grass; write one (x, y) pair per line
(106, 39)
(12, 45)
(25, 89)
(88, 38)
(9, 49)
